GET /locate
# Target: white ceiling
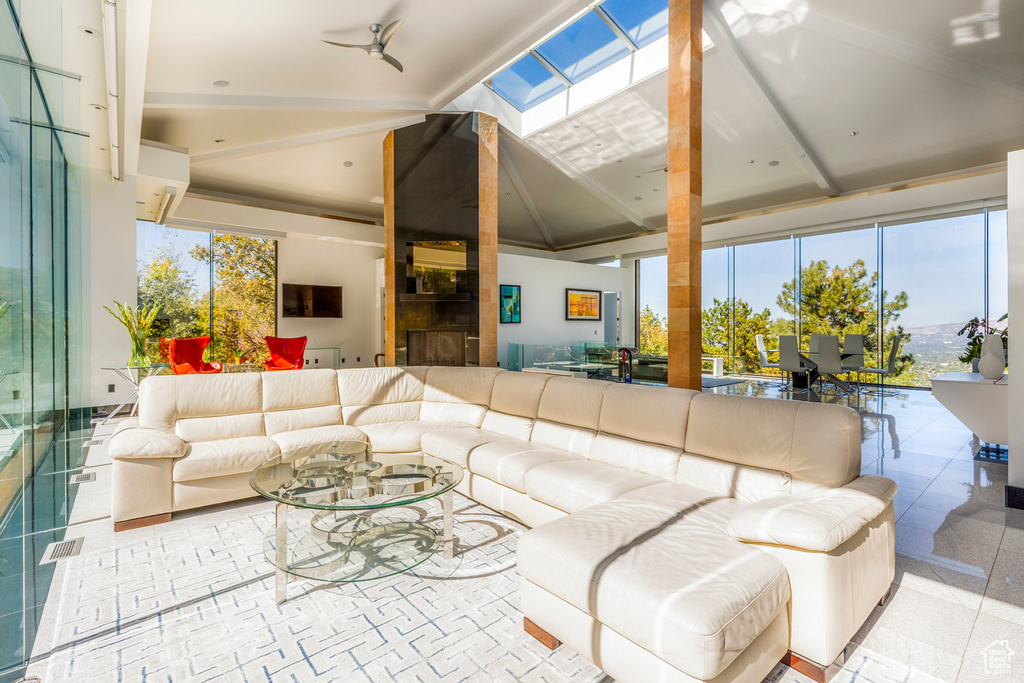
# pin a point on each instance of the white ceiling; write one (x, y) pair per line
(928, 89)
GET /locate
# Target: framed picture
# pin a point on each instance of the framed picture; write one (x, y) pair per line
(510, 298)
(582, 304)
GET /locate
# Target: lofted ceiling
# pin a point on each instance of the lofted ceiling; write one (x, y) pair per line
(803, 99)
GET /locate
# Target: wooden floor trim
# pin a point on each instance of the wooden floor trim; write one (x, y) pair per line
(140, 522)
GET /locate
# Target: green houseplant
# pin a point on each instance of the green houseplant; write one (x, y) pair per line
(138, 322)
(976, 330)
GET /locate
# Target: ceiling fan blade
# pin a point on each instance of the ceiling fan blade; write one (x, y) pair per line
(394, 62)
(391, 30)
(364, 48)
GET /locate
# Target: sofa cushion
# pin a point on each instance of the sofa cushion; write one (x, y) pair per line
(517, 393)
(194, 429)
(306, 389)
(576, 484)
(459, 394)
(398, 390)
(639, 456)
(208, 459)
(139, 442)
(507, 462)
(515, 426)
(661, 575)
(730, 479)
(298, 439)
(453, 445)
(563, 437)
(570, 401)
(655, 415)
(402, 437)
(302, 418)
(787, 436)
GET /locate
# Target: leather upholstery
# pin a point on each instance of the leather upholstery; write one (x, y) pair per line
(664, 579)
(821, 520)
(653, 480)
(572, 485)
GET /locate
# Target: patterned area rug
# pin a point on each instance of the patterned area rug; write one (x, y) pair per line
(198, 605)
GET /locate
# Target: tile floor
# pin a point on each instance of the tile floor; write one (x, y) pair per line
(122, 611)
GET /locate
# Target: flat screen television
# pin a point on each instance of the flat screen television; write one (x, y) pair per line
(310, 301)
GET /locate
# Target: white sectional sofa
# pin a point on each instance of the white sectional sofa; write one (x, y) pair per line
(677, 536)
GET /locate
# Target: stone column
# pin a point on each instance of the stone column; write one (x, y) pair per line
(389, 249)
(487, 128)
(685, 73)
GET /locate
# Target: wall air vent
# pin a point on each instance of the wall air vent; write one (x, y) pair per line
(83, 478)
(62, 550)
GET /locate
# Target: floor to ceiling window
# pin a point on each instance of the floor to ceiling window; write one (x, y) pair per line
(209, 284)
(42, 423)
(921, 280)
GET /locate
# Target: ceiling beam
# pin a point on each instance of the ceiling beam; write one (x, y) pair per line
(313, 138)
(718, 29)
(170, 100)
(979, 76)
(509, 164)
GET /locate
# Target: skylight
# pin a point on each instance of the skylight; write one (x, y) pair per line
(584, 47)
(526, 83)
(644, 21)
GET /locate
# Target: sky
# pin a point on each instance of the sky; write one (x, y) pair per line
(151, 237)
(940, 264)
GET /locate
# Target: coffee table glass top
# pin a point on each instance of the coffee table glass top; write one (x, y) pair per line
(345, 476)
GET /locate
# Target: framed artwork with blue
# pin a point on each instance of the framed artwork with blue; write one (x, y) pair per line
(510, 299)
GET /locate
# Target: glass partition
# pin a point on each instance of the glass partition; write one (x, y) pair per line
(763, 301)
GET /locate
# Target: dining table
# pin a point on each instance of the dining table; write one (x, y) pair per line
(809, 358)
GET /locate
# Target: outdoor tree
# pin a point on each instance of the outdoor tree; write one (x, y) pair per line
(653, 333)
(740, 351)
(243, 294)
(163, 283)
(840, 301)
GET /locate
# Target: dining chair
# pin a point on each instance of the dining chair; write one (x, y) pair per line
(853, 352)
(789, 357)
(829, 360)
(186, 357)
(889, 369)
(286, 353)
(762, 351)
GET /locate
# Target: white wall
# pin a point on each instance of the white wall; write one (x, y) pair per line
(308, 261)
(543, 300)
(1015, 258)
(111, 278)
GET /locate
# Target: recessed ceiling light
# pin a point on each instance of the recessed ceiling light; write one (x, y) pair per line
(654, 189)
(986, 16)
(597, 144)
(752, 161)
(854, 133)
(773, 162)
(618, 161)
(347, 164)
(219, 140)
(88, 30)
(508, 194)
(575, 125)
(638, 197)
(221, 84)
(637, 175)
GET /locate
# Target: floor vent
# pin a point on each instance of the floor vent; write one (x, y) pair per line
(82, 478)
(62, 550)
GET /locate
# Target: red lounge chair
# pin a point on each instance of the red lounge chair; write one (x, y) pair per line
(285, 353)
(187, 357)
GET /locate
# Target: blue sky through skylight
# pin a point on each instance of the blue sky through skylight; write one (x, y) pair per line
(583, 48)
(644, 21)
(526, 83)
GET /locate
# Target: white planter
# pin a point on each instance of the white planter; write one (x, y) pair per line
(993, 360)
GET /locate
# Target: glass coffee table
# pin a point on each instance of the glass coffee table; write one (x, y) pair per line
(354, 533)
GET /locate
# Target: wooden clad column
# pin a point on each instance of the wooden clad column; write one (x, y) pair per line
(685, 73)
(389, 249)
(487, 128)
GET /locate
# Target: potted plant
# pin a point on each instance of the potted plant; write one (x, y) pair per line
(138, 322)
(976, 330)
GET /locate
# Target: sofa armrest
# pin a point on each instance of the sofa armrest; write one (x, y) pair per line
(137, 443)
(819, 521)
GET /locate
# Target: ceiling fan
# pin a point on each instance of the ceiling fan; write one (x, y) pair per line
(381, 38)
